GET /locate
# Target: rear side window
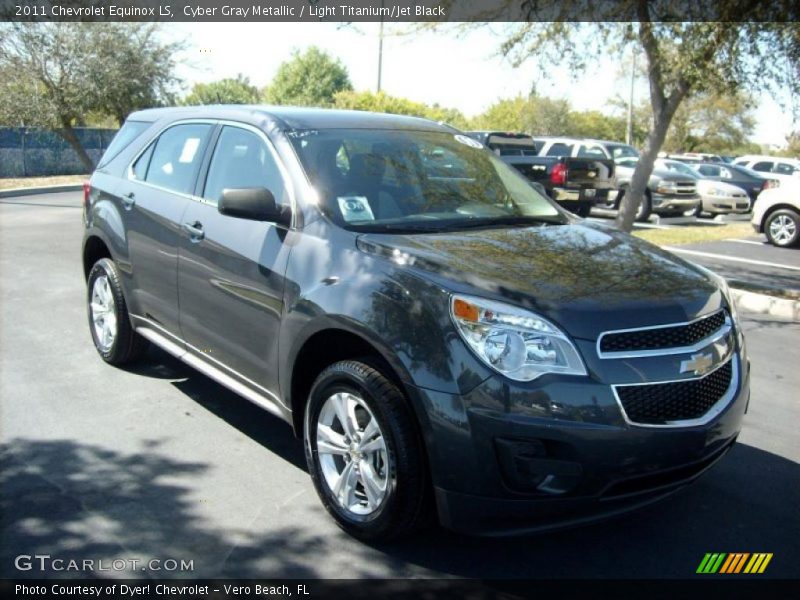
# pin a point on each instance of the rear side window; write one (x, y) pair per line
(176, 157)
(129, 132)
(763, 166)
(709, 170)
(559, 149)
(141, 164)
(784, 168)
(590, 151)
(242, 160)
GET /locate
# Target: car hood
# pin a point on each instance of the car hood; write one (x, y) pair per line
(586, 277)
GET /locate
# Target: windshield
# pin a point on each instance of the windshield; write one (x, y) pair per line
(678, 167)
(390, 180)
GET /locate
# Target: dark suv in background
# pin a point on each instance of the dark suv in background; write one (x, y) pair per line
(438, 333)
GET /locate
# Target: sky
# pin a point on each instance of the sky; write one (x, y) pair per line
(461, 70)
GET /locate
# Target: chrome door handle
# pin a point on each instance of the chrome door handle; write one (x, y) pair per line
(195, 230)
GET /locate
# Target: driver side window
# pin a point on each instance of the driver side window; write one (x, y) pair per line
(243, 160)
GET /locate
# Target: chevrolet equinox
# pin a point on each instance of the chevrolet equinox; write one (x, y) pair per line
(446, 341)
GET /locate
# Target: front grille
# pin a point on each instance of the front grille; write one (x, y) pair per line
(659, 338)
(686, 188)
(662, 403)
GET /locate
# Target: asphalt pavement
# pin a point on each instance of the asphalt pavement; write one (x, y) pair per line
(159, 462)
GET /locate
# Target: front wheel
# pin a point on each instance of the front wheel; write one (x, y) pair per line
(109, 322)
(783, 228)
(364, 453)
(645, 208)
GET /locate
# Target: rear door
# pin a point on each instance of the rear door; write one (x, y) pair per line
(231, 270)
(154, 197)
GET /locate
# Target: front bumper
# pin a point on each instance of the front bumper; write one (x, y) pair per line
(569, 439)
(667, 202)
(714, 204)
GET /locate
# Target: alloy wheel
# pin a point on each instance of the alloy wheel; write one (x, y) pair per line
(104, 315)
(352, 454)
(782, 229)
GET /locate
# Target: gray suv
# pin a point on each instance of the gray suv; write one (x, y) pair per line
(445, 340)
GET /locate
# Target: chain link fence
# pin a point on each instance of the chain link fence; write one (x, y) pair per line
(35, 152)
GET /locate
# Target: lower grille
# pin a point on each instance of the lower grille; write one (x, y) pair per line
(665, 403)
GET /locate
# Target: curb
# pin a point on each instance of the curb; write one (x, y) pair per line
(762, 304)
(46, 189)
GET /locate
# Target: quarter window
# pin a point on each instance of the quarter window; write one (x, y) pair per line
(141, 164)
(559, 149)
(243, 160)
(763, 166)
(176, 157)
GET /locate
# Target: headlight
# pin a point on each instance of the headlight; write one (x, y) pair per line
(719, 193)
(667, 187)
(519, 344)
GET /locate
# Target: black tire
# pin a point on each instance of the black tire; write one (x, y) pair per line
(698, 211)
(645, 208)
(404, 508)
(127, 345)
(584, 210)
(788, 217)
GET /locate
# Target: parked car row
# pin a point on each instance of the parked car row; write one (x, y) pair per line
(581, 174)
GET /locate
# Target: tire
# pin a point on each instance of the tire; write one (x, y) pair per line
(109, 322)
(645, 209)
(698, 211)
(397, 504)
(782, 228)
(584, 210)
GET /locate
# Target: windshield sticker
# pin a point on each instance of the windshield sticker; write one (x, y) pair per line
(355, 208)
(468, 141)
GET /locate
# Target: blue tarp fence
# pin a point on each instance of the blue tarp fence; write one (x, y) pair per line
(35, 152)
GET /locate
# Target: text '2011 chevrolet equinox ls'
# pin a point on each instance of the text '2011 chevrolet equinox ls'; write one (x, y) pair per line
(439, 333)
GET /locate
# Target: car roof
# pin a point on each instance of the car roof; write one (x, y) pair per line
(752, 157)
(561, 138)
(294, 118)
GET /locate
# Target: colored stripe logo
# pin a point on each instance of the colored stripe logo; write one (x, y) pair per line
(735, 562)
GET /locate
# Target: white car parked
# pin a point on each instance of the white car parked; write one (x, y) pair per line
(774, 167)
(776, 213)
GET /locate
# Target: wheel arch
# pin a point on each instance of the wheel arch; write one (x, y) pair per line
(94, 248)
(781, 206)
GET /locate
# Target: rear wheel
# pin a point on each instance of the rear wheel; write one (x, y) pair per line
(109, 322)
(783, 228)
(645, 208)
(364, 454)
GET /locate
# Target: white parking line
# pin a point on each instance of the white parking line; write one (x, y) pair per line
(746, 242)
(748, 261)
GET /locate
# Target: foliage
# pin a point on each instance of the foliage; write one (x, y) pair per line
(382, 102)
(712, 122)
(236, 90)
(58, 75)
(311, 78)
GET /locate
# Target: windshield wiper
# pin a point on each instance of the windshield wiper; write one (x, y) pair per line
(500, 221)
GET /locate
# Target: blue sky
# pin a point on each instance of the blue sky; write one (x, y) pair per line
(456, 70)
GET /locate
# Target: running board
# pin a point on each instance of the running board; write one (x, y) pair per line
(210, 371)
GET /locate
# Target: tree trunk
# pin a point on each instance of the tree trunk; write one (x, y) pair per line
(68, 133)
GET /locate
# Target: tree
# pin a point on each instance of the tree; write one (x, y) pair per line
(711, 51)
(56, 75)
(537, 115)
(382, 102)
(309, 79)
(237, 90)
(712, 122)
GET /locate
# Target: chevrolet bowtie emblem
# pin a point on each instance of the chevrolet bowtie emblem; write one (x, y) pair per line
(591, 174)
(700, 363)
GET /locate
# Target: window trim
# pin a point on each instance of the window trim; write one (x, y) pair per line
(202, 176)
(129, 171)
(217, 125)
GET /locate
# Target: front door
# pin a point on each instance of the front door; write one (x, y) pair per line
(231, 270)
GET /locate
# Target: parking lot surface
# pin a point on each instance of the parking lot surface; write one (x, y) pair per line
(159, 462)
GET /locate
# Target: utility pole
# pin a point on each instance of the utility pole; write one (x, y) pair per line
(380, 49)
(629, 130)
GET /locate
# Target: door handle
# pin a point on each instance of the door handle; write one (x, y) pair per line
(195, 230)
(128, 200)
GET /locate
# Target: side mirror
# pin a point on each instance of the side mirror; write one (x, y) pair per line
(256, 204)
